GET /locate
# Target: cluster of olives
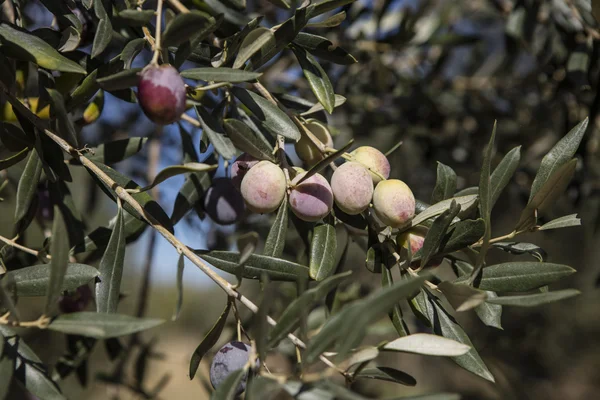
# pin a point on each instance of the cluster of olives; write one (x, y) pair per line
(261, 186)
(354, 186)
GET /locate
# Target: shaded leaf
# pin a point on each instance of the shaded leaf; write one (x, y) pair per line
(323, 251)
(436, 233)
(101, 325)
(322, 47)
(465, 202)
(534, 300)
(175, 170)
(330, 22)
(216, 134)
(184, 26)
(317, 79)
(396, 312)
(27, 188)
(445, 184)
(276, 269)
(136, 17)
(519, 248)
(290, 318)
(503, 173)
(387, 374)
(117, 150)
(245, 140)
(131, 50)
(272, 118)
(59, 250)
(463, 234)
(490, 314)
(108, 289)
(209, 340)
(66, 129)
(104, 31)
(275, 242)
(462, 297)
(14, 159)
(339, 100)
(559, 155)
(121, 80)
(179, 302)
(260, 38)
(221, 74)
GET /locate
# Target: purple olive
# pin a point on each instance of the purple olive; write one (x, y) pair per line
(161, 93)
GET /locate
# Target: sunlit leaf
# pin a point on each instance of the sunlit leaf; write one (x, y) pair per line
(317, 79)
(221, 74)
(534, 300)
(424, 343)
(562, 222)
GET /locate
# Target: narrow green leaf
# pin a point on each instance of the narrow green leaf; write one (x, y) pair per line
(98, 238)
(257, 40)
(66, 129)
(502, 174)
(120, 80)
(323, 48)
(245, 140)
(445, 185)
(104, 30)
(31, 372)
(559, 155)
(223, 145)
(59, 250)
(192, 190)
(330, 22)
(271, 116)
(7, 366)
(387, 374)
(27, 188)
(519, 248)
(117, 150)
(395, 313)
(436, 233)
(108, 289)
(184, 26)
(276, 239)
(131, 50)
(463, 234)
(179, 303)
(553, 187)
(101, 325)
(424, 343)
(276, 269)
(136, 17)
(35, 280)
(485, 199)
(446, 326)
(209, 340)
(14, 159)
(175, 170)
(323, 251)
(465, 202)
(534, 300)
(562, 222)
(521, 276)
(317, 78)
(221, 74)
(27, 47)
(490, 314)
(339, 100)
(289, 319)
(462, 297)
(326, 5)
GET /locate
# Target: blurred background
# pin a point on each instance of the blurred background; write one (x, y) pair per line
(434, 75)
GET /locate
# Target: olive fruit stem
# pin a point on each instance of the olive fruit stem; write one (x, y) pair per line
(157, 35)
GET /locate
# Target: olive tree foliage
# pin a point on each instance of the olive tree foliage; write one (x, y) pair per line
(231, 54)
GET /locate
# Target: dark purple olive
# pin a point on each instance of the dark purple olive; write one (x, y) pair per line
(76, 301)
(230, 358)
(161, 93)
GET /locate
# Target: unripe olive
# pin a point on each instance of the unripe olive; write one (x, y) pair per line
(263, 187)
(352, 187)
(374, 160)
(223, 202)
(415, 241)
(161, 93)
(312, 199)
(239, 168)
(306, 150)
(393, 202)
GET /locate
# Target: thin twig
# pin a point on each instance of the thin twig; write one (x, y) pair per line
(180, 7)
(157, 33)
(16, 245)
